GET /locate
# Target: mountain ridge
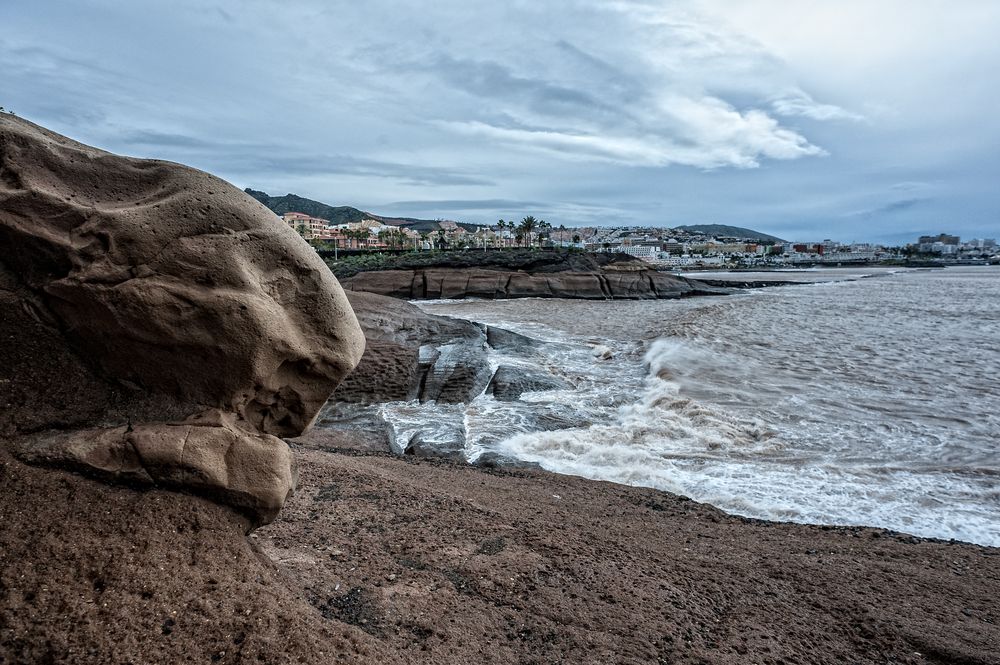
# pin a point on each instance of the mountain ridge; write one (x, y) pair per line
(280, 205)
(724, 230)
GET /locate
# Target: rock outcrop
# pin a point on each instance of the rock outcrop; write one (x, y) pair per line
(509, 383)
(628, 281)
(412, 355)
(169, 325)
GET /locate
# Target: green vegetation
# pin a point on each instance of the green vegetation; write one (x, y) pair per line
(351, 265)
(511, 259)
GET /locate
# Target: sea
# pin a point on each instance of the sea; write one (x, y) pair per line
(851, 397)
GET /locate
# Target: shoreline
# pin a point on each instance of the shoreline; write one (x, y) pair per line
(333, 442)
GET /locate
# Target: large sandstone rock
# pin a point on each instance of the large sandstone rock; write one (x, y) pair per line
(165, 293)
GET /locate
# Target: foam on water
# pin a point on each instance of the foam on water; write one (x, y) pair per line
(868, 402)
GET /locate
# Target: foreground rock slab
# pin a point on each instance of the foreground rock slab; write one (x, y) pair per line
(382, 559)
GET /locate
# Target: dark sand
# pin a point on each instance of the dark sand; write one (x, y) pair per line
(452, 564)
(382, 559)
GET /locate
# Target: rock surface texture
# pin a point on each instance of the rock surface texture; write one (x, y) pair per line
(139, 294)
(628, 281)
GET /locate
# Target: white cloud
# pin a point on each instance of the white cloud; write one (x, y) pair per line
(704, 133)
(799, 103)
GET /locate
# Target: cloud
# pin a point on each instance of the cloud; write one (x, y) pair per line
(889, 208)
(705, 133)
(247, 158)
(659, 101)
(626, 111)
(466, 204)
(799, 103)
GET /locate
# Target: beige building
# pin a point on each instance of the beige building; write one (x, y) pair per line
(306, 226)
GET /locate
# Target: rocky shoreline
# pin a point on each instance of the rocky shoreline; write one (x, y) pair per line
(169, 347)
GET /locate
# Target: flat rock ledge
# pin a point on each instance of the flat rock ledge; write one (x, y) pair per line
(211, 455)
(628, 282)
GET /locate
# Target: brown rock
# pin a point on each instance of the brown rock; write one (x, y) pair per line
(167, 292)
(395, 283)
(628, 281)
(589, 286)
(249, 471)
(414, 355)
(629, 285)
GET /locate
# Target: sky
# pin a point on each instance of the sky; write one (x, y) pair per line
(856, 120)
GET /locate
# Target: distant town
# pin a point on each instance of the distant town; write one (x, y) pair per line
(679, 247)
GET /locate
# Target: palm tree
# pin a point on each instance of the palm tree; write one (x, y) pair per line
(543, 230)
(505, 228)
(528, 224)
(359, 235)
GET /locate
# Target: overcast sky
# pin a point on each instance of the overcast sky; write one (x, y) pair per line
(808, 119)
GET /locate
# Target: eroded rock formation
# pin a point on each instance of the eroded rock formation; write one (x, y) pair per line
(162, 319)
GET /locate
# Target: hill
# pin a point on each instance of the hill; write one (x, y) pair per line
(722, 230)
(342, 214)
(292, 203)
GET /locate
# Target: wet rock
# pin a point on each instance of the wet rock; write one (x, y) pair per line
(508, 341)
(509, 383)
(494, 460)
(414, 355)
(445, 443)
(460, 373)
(346, 425)
(387, 372)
